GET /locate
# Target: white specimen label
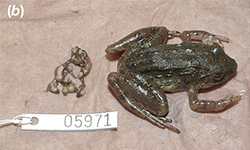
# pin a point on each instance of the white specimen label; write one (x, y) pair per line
(70, 122)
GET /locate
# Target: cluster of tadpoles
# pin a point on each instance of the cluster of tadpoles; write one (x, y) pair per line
(79, 57)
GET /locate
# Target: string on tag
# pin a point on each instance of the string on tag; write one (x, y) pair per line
(16, 121)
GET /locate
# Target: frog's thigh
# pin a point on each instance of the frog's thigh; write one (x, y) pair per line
(137, 97)
(208, 105)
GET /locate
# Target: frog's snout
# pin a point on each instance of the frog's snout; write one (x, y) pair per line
(231, 68)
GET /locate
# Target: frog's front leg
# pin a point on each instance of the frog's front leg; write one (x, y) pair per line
(205, 37)
(142, 96)
(208, 105)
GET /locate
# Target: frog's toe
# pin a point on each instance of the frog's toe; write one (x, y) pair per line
(172, 128)
(165, 123)
(221, 38)
(165, 119)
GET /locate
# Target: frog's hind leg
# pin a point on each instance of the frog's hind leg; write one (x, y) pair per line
(208, 105)
(142, 98)
(144, 37)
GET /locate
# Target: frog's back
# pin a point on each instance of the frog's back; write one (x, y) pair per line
(170, 57)
(176, 67)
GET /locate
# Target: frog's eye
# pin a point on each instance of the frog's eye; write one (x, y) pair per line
(218, 76)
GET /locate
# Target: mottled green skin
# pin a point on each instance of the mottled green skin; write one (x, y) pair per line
(180, 66)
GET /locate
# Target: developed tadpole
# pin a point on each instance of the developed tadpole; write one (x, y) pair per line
(79, 58)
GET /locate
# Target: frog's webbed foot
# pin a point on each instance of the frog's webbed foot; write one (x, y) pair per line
(142, 96)
(208, 105)
(161, 122)
(205, 37)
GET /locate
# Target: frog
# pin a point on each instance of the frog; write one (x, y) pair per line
(149, 68)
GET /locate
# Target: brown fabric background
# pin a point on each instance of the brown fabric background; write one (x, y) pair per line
(33, 46)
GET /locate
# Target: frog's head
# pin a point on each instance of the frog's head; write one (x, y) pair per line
(225, 68)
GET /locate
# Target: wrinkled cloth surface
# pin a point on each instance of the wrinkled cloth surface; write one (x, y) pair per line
(33, 46)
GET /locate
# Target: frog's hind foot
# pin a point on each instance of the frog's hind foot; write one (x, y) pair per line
(144, 37)
(161, 122)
